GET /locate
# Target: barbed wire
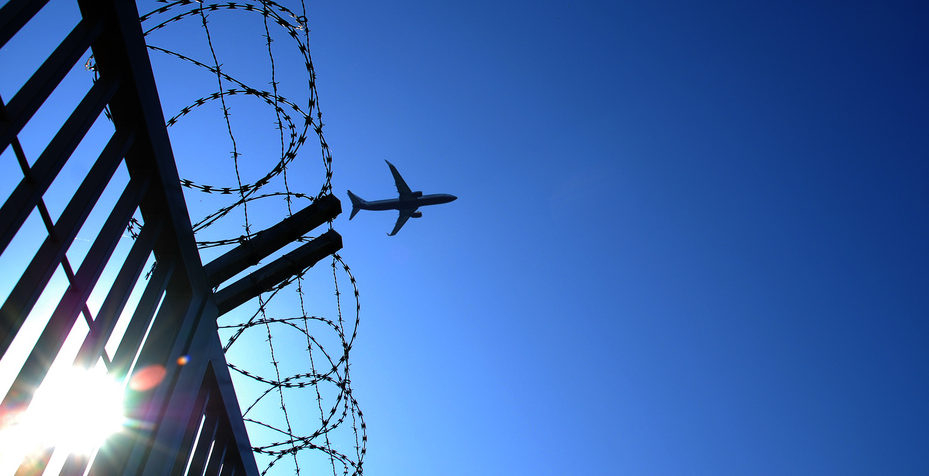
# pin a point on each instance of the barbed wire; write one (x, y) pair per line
(267, 9)
(324, 372)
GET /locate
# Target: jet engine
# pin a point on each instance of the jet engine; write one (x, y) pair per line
(417, 194)
(417, 214)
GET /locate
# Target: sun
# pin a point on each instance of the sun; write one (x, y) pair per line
(75, 411)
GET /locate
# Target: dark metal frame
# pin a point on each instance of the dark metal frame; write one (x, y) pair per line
(177, 309)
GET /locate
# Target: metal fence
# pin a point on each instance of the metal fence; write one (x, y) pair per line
(108, 275)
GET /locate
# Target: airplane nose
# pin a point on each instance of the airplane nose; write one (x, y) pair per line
(453, 197)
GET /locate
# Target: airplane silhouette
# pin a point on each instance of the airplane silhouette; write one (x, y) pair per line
(407, 204)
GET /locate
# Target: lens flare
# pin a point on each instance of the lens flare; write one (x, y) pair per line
(75, 410)
(147, 378)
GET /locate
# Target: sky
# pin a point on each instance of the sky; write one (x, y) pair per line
(689, 239)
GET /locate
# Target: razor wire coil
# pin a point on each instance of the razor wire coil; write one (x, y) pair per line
(327, 339)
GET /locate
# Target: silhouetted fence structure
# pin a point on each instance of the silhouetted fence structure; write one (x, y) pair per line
(128, 305)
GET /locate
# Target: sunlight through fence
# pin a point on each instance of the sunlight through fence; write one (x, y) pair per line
(111, 351)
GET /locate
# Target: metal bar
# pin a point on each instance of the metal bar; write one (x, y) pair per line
(238, 451)
(171, 431)
(118, 295)
(30, 463)
(172, 438)
(176, 317)
(26, 195)
(207, 433)
(141, 319)
(15, 14)
(277, 271)
(38, 88)
(56, 331)
(52, 251)
(242, 451)
(74, 465)
(168, 339)
(221, 443)
(108, 463)
(265, 242)
(186, 451)
(230, 465)
(17, 147)
(122, 50)
(27, 175)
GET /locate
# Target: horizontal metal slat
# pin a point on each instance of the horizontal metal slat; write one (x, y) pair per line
(28, 193)
(37, 89)
(40, 269)
(169, 338)
(15, 14)
(56, 331)
(141, 318)
(118, 295)
(207, 434)
(277, 271)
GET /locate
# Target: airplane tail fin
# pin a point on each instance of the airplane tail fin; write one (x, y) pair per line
(357, 203)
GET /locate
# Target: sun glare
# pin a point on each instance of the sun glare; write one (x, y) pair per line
(74, 411)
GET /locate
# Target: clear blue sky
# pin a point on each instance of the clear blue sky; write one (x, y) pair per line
(690, 239)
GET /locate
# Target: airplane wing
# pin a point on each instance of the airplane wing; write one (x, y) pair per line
(405, 215)
(402, 188)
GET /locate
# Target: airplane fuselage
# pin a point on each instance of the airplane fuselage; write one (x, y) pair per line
(407, 204)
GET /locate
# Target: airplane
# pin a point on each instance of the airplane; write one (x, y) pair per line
(407, 204)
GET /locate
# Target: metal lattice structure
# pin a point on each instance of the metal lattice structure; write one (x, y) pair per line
(157, 309)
